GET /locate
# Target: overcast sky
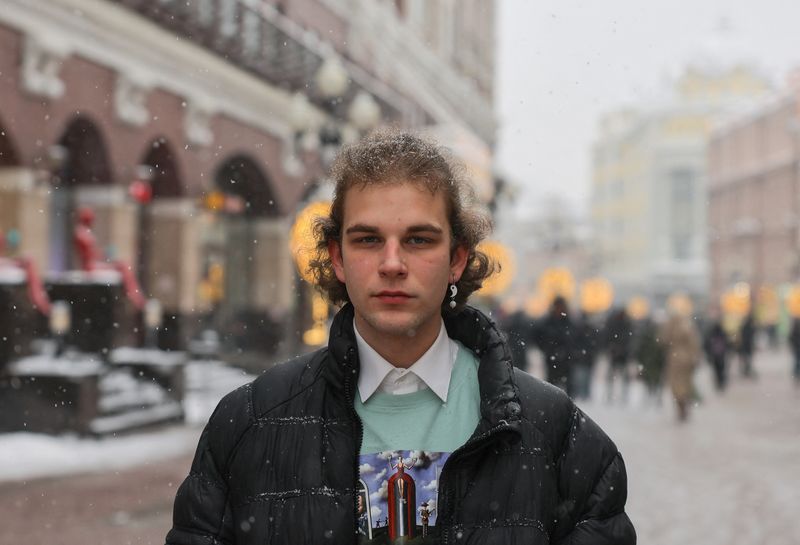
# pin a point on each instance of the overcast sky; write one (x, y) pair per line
(562, 63)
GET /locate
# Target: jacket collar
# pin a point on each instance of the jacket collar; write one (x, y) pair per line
(473, 329)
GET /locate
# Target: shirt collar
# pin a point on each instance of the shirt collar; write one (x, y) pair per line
(433, 368)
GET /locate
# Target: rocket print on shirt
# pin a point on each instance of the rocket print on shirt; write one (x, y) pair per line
(398, 496)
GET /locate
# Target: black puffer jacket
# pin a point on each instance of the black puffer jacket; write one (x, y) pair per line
(277, 462)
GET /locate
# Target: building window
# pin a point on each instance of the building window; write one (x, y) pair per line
(682, 181)
(681, 246)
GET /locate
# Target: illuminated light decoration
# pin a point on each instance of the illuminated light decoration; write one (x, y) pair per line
(214, 201)
(557, 281)
(638, 308)
(769, 306)
(536, 305)
(302, 243)
(499, 282)
(680, 304)
(793, 301)
(212, 287)
(736, 301)
(318, 334)
(597, 295)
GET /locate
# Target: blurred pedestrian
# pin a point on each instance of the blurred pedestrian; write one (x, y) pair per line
(554, 335)
(518, 329)
(649, 352)
(682, 345)
(794, 344)
(618, 334)
(717, 346)
(587, 338)
(747, 334)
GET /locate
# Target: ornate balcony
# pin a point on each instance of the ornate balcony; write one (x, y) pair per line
(255, 37)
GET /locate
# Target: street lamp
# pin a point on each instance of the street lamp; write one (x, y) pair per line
(60, 323)
(152, 322)
(331, 79)
(364, 112)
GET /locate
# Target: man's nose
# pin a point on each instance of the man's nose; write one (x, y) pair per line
(393, 261)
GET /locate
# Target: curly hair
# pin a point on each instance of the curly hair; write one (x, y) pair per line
(390, 156)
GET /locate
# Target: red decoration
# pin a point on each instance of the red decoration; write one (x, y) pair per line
(89, 255)
(141, 191)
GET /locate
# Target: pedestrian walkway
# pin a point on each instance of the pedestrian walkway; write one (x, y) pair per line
(730, 476)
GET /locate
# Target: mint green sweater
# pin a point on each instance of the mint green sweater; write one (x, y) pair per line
(420, 420)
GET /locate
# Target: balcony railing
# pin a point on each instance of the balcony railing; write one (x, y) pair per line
(254, 36)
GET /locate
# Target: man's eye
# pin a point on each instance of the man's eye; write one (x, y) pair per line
(366, 240)
(419, 240)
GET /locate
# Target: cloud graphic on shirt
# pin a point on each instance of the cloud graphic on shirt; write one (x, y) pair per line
(376, 512)
(382, 493)
(431, 485)
(424, 458)
(388, 455)
(380, 475)
(366, 469)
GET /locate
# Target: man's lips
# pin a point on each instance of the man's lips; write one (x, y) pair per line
(389, 296)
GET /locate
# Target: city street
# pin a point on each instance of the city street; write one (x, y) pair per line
(728, 477)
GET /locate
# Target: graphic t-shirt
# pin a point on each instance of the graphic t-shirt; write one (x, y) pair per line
(407, 440)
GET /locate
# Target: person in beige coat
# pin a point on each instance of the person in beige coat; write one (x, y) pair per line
(683, 354)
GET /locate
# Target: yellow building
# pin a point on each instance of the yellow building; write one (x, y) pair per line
(649, 184)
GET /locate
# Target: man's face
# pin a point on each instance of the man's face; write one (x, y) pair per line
(395, 259)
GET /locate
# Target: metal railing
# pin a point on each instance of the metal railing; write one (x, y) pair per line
(255, 37)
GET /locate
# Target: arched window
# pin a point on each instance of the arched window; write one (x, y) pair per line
(85, 164)
(8, 153)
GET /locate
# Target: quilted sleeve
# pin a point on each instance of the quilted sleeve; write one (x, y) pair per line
(201, 513)
(593, 486)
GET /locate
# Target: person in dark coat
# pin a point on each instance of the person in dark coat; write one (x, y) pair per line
(747, 334)
(281, 459)
(555, 337)
(618, 335)
(649, 352)
(518, 327)
(794, 344)
(587, 338)
(717, 345)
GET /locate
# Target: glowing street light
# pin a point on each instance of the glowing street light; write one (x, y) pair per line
(557, 281)
(499, 282)
(302, 243)
(597, 295)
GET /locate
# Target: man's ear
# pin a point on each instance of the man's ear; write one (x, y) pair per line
(458, 262)
(335, 251)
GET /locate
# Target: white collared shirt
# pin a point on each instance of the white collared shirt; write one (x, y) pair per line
(432, 370)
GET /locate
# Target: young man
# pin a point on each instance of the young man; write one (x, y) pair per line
(414, 405)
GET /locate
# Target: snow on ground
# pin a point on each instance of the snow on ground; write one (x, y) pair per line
(729, 476)
(32, 455)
